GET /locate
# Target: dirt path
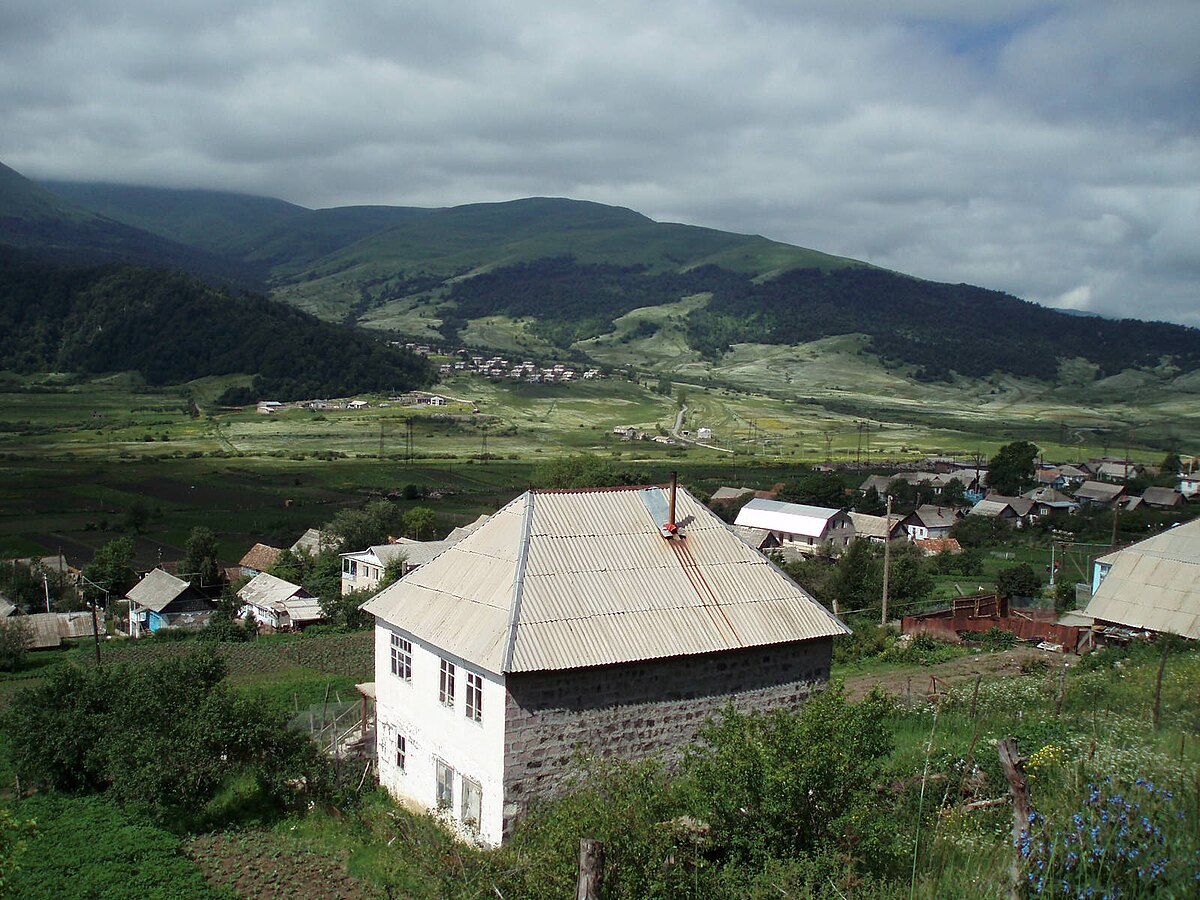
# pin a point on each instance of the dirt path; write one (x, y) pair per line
(916, 679)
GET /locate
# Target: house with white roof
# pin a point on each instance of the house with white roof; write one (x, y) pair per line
(797, 526)
(363, 570)
(609, 622)
(278, 604)
(1151, 586)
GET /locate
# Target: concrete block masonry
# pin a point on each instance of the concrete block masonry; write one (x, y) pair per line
(637, 710)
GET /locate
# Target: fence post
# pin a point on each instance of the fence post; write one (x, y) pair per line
(1162, 665)
(591, 869)
(1014, 770)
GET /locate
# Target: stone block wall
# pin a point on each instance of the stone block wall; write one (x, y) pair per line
(637, 710)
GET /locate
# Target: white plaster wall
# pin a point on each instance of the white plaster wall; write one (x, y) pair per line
(434, 731)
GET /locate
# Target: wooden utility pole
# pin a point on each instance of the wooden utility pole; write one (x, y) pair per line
(887, 560)
(591, 870)
(1162, 665)
(96, 633)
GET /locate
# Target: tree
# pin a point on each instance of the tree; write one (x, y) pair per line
(293, 565)
(14, 643)
(392, 572)
(201, 558)
(782, 783)
(357, 529)
(166, 736)
(954, 493)
(112, 568)
(137, 516)
(1018, 581)
(853, 584)
(980, 531)
(342, 610)
(419, 521)
(1011, 471)
(871, 503)
(814, 488)
(584, 470)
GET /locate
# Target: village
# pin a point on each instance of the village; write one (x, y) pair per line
(593, 619)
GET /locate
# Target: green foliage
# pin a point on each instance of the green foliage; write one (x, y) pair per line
(98, 321)
(995, 639)
(780, 784)
(582, 471)
(418, 522)
(14, 643)
(165, 737)
(1011, 471)
(91, 847)
(112, 568)
(968, 562)
(342, 611)
(857, 583)
(358, 529)
(15, 833)
(870, 503)
(201, 558)
(1020, 580)
(814, 488)
(867, 639)
(980, 531)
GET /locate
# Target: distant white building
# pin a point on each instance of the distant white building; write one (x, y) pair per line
(797, 526)
(704, 433)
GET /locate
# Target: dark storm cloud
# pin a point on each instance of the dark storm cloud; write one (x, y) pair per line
(1046, 148)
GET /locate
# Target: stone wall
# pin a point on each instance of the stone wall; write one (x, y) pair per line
(636, 710)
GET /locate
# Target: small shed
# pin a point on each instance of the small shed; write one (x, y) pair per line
(160, 600)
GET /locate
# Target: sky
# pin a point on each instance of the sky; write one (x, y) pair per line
(1048, 148)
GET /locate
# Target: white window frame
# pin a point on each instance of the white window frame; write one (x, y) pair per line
(443, 790)
(401, 752)
(446, 683)
(474, 698)
(401, 658)
(471, 810)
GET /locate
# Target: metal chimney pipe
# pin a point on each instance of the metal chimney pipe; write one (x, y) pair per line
(671, 501)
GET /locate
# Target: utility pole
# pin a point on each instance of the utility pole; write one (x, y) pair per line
(1052, 549)
(887, 560)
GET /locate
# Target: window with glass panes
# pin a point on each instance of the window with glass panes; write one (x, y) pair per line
(472, 803)
(401, 752)
(445, 785)
(401, 658)
(474, 697)
(446, 683)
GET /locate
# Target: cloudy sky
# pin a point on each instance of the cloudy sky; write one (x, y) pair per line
(1050, 149)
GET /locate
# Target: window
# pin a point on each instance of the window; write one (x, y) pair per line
(445, 785)
(472, 803)
(401, 658)
(401, 752)
(446, 684)
(474, 697)
(349, 567)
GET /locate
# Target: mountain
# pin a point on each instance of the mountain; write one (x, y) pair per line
(546, 274)
(173, 328)
(37, 219)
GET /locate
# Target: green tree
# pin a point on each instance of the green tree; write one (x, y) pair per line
(1018, 581)
(342, 610)
(870, 503)
(814, 488)
(783, 783)
(357, 529)
(980, 531)
(112, 568)
(14, 643)
(201, 558)
(853, 584)
(1011, 471)
(137, 517)
(582, 471)
(954, 493)
(293, 565)
(419, 522)
(165, 736)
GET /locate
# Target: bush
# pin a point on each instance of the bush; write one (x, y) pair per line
(165, 736)
(14, 643)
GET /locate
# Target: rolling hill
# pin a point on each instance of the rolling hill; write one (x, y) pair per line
(546, 274)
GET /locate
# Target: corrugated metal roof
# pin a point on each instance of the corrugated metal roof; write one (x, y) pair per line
(311, 542)
(47, 630)
(1098, 490)
(156, 590)
(7, 608)
(792, 518)
(936, 516)
(1154, 584)
(268, 592)
(569, 579)
(303, 609)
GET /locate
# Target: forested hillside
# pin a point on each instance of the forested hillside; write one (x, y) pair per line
(173, 328)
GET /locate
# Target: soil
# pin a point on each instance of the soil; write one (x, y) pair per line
(917, 681)
(259, 865)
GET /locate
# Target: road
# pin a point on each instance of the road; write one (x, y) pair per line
(687, 440)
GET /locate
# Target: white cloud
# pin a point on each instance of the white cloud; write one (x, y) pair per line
(1049, 149)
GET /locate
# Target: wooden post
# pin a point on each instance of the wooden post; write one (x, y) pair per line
(1014, 770)
(1162, 665)
(96, 635)
(591, 870)
(887, 561)
(1062, 689)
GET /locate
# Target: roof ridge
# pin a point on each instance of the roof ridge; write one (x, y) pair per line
(514, 608)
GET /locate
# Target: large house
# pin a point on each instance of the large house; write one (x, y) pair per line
(878, 529)
(1016, 511)
(603, 622)
(799, 527)
(160, 600)
(1099, 493)
(1151, 586)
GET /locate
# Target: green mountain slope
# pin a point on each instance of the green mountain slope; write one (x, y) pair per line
(39, 220)
(172, 328)
(217, 221)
